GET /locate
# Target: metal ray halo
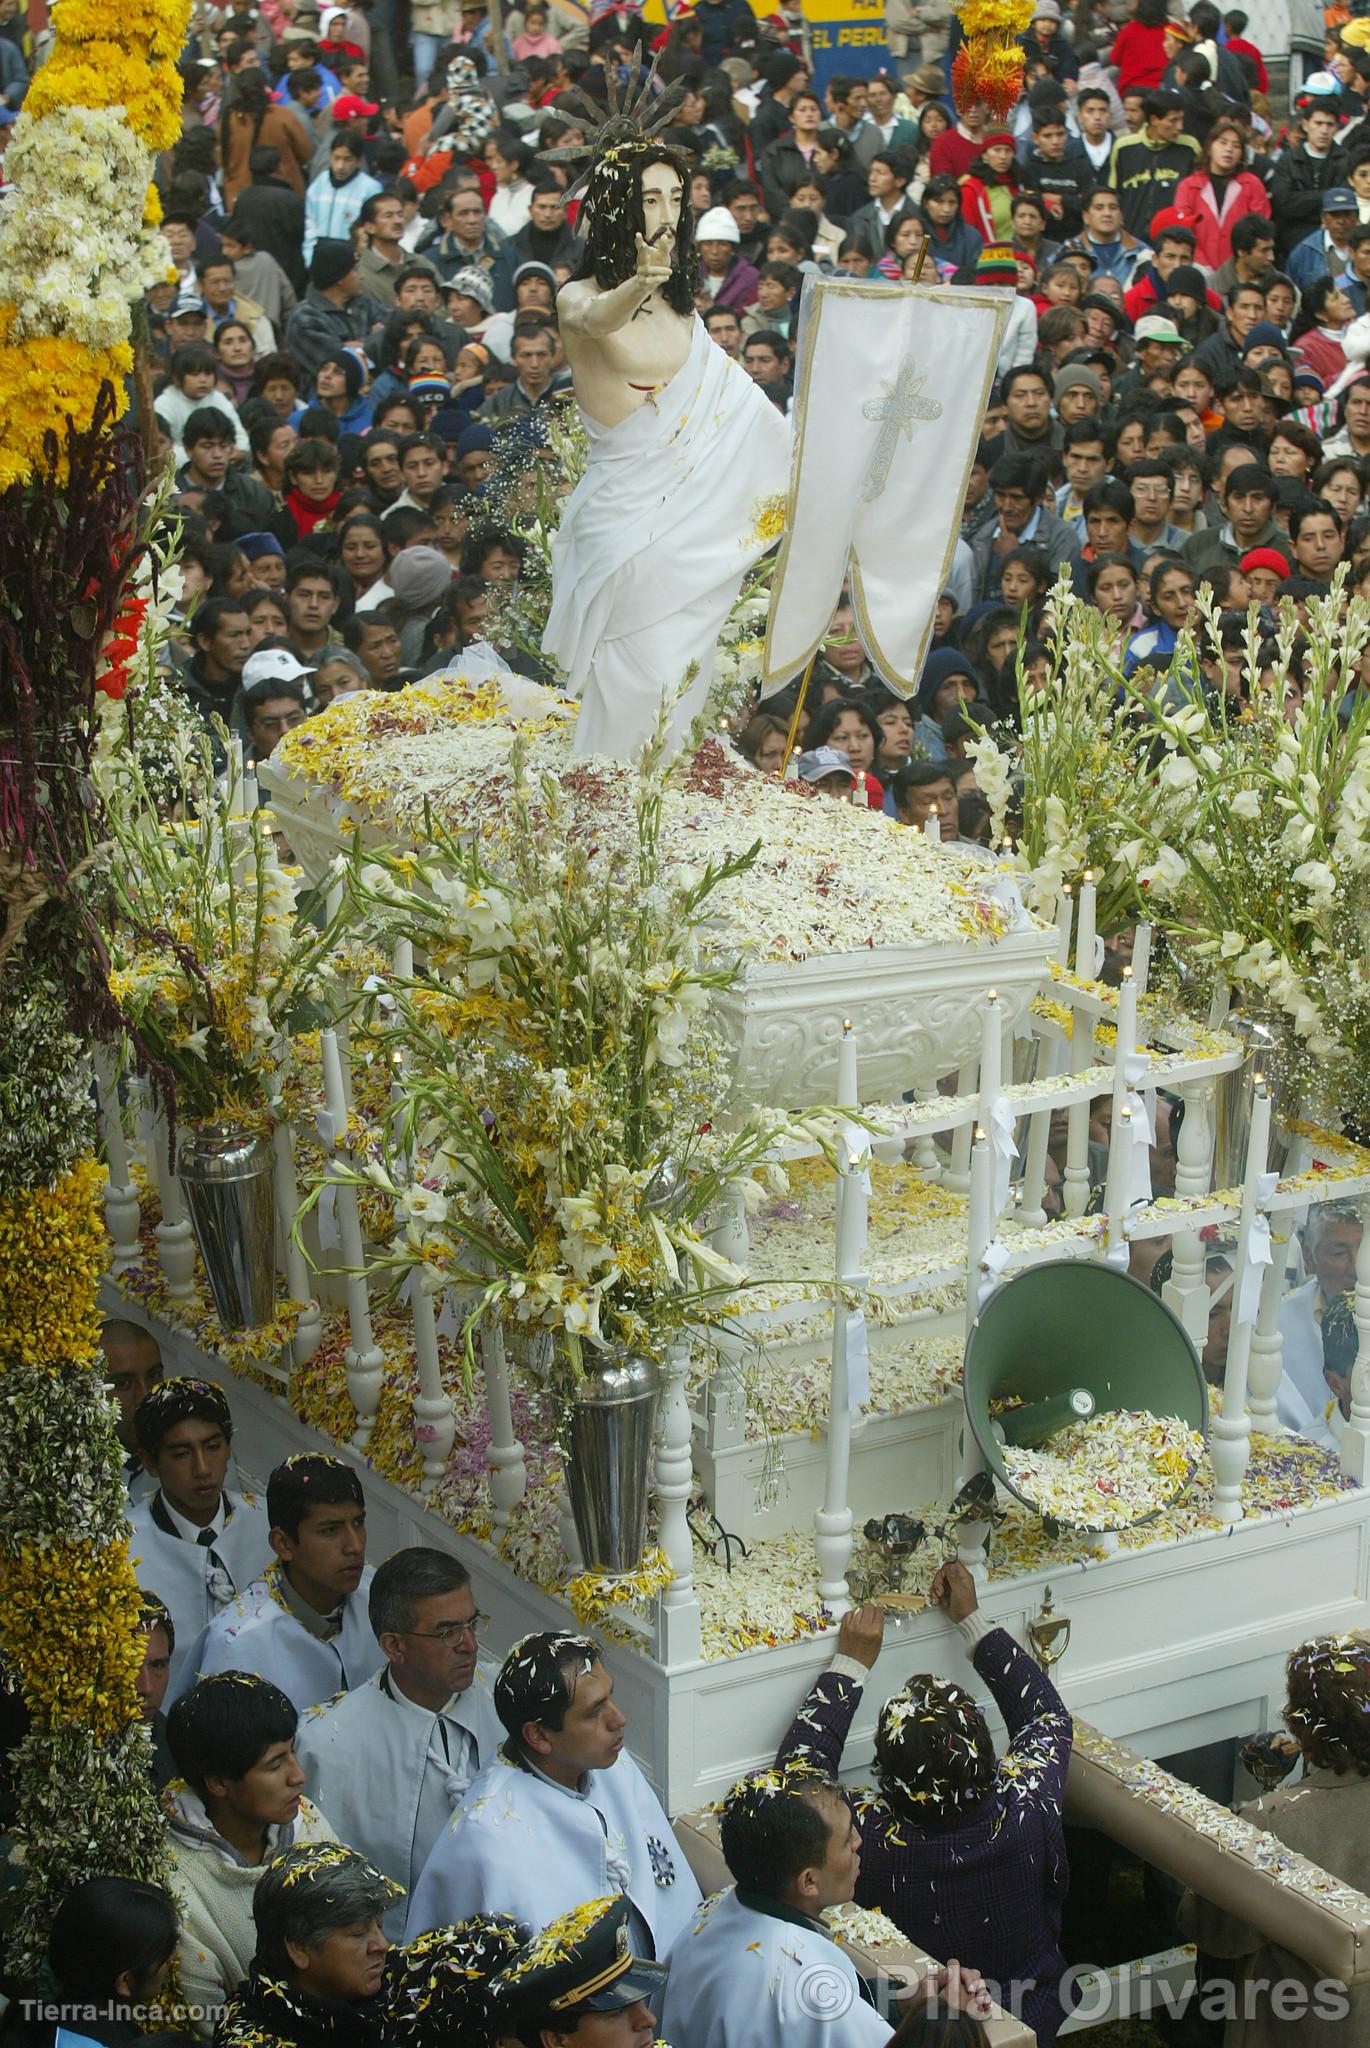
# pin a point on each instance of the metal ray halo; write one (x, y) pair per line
(627, 119)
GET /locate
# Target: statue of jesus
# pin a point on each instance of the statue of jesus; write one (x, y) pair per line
(687, 462)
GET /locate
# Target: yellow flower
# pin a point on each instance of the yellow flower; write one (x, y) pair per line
(68, 1617)
(46, 1232)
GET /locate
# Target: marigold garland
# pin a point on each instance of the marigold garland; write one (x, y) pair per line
(55, 1600)
(53, 1250)
(989, 65)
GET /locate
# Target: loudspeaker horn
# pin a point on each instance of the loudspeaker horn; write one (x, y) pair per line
(1068, 1339)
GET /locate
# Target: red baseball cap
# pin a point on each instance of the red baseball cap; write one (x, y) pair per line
(347, 107)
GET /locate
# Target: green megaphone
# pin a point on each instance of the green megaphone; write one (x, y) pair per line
(1072, 1338)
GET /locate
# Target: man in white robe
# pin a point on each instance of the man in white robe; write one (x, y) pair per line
(1331, 1241)
(194, 1542)
(389, 1760)
(757, 1968)
(562, 1814)
(304, 1623)
(689, 464)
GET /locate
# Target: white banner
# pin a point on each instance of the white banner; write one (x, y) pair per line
(891, 387)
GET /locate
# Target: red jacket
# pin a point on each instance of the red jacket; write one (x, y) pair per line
(1239, 47)
(1139, 54)
(1213, 225)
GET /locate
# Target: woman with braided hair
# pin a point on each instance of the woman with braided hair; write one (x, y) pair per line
(1324, 1816)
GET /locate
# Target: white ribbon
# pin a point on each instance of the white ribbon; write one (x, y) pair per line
(374, 986)
(1003, 1148)
(994, 1261)
(1258, 1256)
(1143, 1138)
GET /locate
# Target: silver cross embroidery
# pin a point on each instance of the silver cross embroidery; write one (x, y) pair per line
(896, 413)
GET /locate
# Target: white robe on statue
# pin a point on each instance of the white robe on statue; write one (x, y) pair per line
(520, 1844)
(192, 1582)
(654, 543)
(389, 1773)
(257, 1632)
(743, 1979)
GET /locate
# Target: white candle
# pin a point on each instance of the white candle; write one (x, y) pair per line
(404, 960)
(847, 1092)
(1127, 1016)
(991, 1052)
(932, 828)
(980, 1220)
(251, 795)
(1084, 930)
(1064, 919)
(1141, 956)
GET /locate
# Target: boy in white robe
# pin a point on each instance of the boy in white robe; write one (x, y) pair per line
(194, 1542)
(562, 1814)
(304, 1623)
(237, 1803)
(758, 1969)
(389, 1760)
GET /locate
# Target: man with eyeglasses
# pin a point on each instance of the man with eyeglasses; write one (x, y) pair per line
(393, 1757)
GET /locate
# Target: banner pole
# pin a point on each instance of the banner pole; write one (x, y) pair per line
(793, 732)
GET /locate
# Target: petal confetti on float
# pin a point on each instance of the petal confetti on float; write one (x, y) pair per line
(1107, 1472)
(828, 878)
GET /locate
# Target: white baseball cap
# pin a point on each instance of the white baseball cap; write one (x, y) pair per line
(273, 665)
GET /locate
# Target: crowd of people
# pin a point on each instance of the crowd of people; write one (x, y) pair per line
(358, 370)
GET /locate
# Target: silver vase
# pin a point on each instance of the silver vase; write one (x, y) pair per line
(609, 1466)
(228, 1177)
(1270, 1054)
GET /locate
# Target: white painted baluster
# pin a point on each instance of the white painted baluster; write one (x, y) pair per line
(1230, 1437)
(958, 1173)
(730, 1238)
(435, 1425)
(365, 1359)
(1033, 1211)
(1355, 1439)
(175, 1238)
(679, 1637)
(1186, 1291)
(1267, 1344)
(121, 1196)
(1075, 1191)
(508, 1473)
(309, 1329)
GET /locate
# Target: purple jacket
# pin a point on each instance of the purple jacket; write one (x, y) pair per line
(738, 289)
(989, 1890)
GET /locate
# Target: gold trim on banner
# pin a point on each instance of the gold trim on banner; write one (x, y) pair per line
(952, 295)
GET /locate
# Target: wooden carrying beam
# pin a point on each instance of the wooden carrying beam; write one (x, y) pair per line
(1240, 1868)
